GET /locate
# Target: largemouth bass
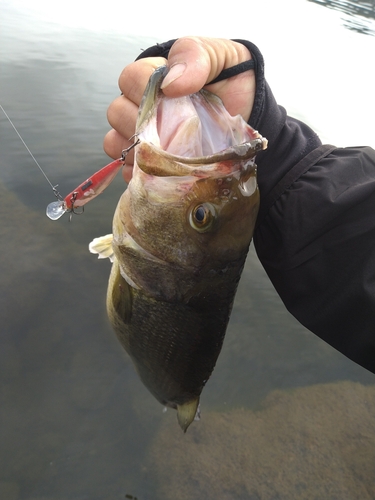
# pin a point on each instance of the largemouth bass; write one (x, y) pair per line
(181, 233)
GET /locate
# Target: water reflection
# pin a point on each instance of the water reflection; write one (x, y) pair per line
(359, 16)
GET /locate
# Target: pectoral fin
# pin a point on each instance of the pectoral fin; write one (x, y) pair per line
(102, 246)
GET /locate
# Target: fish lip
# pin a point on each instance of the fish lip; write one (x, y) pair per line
(155, 161)
(243, 151)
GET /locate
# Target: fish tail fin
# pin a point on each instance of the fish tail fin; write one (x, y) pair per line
(187, 412)
(102, 246)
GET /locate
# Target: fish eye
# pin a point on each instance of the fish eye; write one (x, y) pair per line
(202, 216)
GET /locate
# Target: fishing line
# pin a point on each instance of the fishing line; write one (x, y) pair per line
(87, 190)
(57, 194)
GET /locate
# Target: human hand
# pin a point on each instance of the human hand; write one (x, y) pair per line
(194, 61)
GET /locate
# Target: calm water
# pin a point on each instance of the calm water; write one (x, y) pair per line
(284, 415)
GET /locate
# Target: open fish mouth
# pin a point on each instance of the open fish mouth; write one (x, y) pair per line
(192, 131)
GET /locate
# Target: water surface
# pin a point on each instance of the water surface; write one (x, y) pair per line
(76, 423)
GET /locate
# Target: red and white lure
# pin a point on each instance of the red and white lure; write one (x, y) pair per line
(86, 191)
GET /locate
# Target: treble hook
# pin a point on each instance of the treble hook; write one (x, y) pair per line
(125, 152)
(73, 210)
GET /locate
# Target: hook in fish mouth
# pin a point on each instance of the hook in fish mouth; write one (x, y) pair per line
(125, 152)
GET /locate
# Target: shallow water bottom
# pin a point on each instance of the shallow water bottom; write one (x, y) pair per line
(309, 443)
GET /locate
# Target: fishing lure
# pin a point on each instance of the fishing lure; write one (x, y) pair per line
(86, 191)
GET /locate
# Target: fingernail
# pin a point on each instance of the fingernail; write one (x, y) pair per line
(175, 72)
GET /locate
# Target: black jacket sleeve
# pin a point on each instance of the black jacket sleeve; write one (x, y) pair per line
(315, 233)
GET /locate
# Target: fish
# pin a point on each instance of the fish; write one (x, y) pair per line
(181, 234)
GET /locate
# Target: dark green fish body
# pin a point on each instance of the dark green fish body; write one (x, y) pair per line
(174, 345)
(181, 233)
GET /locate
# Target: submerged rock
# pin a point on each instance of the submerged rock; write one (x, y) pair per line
(314, 442)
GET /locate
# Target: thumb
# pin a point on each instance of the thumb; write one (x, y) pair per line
(195, 61)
